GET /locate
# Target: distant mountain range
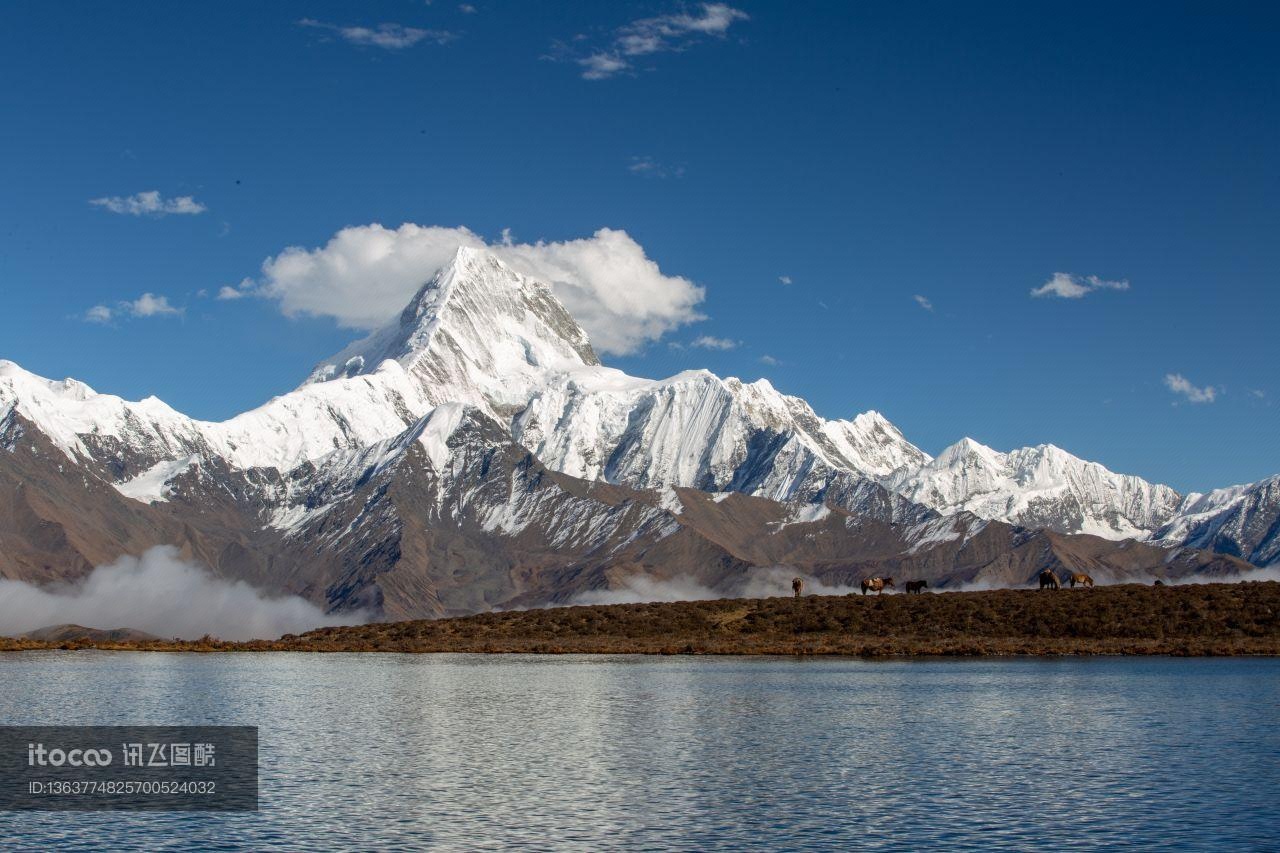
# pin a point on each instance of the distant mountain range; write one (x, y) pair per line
(475, 454)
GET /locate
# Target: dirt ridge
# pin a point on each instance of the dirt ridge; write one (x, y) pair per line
(1126, 619)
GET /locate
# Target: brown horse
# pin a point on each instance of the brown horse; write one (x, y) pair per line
(917, 586)
(1050, 580)
(1080, 579)
(876, 585)
(797, 586)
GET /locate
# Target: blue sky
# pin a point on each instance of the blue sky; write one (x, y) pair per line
(869, 153)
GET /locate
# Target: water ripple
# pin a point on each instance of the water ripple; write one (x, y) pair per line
(404, 752)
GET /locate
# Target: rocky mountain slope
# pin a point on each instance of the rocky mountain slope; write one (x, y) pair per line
(451, 517)
(475, 454)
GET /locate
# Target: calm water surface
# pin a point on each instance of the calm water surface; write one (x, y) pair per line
(390, 752)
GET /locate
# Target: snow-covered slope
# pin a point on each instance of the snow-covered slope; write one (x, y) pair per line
(1240, 520)
(127, 438)
(696, 429)
(1041, 486)
(478, 333)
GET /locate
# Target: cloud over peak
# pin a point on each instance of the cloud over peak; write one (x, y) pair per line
(366, 274)
(150, 203)
(1067, 286)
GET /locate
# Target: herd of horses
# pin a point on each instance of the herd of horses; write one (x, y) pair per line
(1048, 580)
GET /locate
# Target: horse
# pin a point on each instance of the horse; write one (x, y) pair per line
(876, 585)
(1050, 580)
(1158, 582)
(1080, 579)
(917, 586)
(797, 586)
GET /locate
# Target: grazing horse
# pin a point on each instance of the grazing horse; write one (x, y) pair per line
(1080, 579)
(917, 586)
(797, 586)
(1050, 580)
(876, 585)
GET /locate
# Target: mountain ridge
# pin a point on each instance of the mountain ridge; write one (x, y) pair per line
(488, 353)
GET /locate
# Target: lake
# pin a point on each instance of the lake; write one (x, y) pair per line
(394, 752)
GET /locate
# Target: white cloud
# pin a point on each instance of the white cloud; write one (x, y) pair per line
(650, 168)
(150, 203)
(923, 302)
(389, 36)
(1067, 286)
(601, 66)
(146, 305)
(466, 9)
(150, 305)
(365, 275)
(769, 360)
(710, 342)
(227, 292)
(163, 595)
(658, 34)
(1257, 392)
(1179, 384)
(785, 279)
(98, 314)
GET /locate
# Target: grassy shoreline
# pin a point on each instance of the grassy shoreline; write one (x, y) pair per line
(1130, 619)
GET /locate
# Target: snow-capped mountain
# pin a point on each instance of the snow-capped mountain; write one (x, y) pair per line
(450, 516)
(1041, 486)
(478, 333)
(358, 470)
(482, 334)
(1240, 520)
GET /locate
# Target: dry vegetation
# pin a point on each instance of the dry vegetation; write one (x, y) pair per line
(1213, 619)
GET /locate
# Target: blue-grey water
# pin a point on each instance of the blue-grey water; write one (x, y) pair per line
(391, 752)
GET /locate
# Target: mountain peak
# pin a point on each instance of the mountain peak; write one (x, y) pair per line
(477, 332)
(967, 448)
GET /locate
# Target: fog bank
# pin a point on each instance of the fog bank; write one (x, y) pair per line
(162, 594)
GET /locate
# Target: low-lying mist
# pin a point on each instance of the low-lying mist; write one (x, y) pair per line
(757, 583)
(776, 581)
(162, 594)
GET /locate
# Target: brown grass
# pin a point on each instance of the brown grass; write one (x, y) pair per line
(1212, 619)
